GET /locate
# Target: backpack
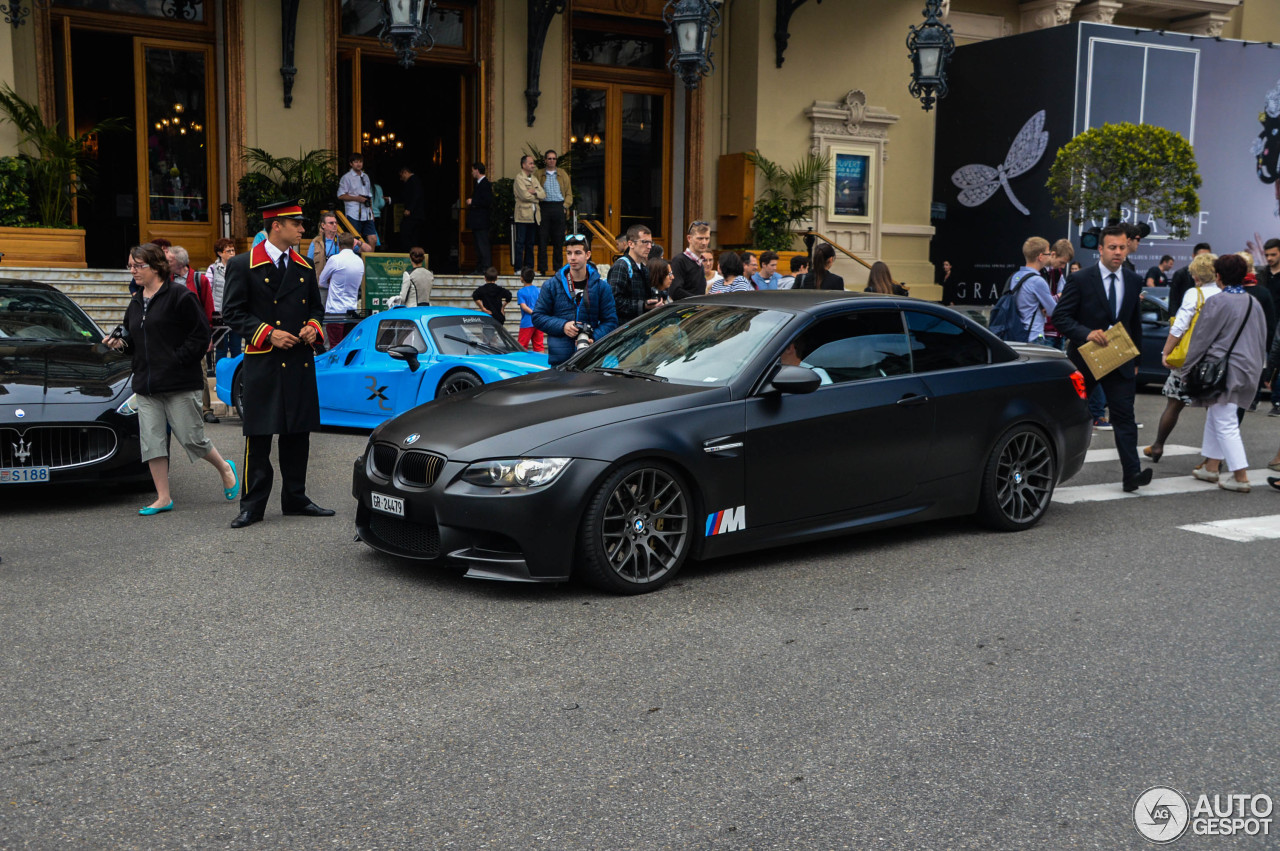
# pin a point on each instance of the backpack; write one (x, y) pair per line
(1004, 321)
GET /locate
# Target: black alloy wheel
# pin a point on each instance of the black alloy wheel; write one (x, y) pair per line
(456, 382)
(1018, 482)
(237, 391)
(637, 529)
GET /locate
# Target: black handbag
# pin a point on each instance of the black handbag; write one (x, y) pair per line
(1209, 376)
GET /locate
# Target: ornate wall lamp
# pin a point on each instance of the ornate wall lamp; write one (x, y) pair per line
(691, 24)
(15, 14)
(930, 46)
(406, 26)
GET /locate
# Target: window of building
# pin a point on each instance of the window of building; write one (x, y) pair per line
(189, 11)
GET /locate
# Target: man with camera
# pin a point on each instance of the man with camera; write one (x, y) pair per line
(575, 307)
(355, 190)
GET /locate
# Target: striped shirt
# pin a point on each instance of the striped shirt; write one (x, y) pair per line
(739, 285)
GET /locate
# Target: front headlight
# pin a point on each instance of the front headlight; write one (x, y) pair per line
(515, 472)
(129, 407)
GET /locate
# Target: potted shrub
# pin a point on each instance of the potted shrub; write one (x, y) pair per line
(789, 197)
(311, 176)
(54, 166)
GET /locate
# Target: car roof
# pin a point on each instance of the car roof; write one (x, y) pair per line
(807, 301)
(425, 312)
(28, 285)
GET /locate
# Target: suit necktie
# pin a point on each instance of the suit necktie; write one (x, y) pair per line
(284, 265)
(1111, 296)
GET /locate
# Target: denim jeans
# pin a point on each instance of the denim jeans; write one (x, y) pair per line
(1097, 403)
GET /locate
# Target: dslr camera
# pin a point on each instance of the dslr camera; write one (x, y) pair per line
(584, 336)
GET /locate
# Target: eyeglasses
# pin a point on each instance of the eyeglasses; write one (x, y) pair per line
(135, 267)
(644, 242)
(575, 239)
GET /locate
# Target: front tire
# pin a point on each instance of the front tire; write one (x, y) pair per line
(637, 530)
(456, 382)
(1018, 480)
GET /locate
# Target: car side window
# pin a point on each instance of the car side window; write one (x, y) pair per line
(859, 345)
(938, 343)
(399, 332)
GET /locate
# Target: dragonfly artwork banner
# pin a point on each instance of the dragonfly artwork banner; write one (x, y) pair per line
(979, 182)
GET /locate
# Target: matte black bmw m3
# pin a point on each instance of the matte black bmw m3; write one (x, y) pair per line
(723, 424)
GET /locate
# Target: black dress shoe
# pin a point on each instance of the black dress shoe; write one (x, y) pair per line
(244, 518)
(1135, 482)
(210, 417)
(311, 510)
(1274, 482)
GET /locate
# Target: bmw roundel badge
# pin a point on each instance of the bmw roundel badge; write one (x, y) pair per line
(412, 439)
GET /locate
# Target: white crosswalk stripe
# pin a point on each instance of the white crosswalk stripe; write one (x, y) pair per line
(1240, 529)
(1170, 451)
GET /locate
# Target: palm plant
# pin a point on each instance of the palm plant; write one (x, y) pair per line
(789, 197)
(58, 163)
(311, 176)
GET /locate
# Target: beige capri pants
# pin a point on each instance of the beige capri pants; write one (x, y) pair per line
(181, 412)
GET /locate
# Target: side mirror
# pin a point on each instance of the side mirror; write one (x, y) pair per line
(408, 354)
(795, 379)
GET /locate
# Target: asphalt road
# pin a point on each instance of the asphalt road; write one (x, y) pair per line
(171, 683)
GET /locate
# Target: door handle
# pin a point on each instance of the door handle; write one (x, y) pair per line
(912, 399)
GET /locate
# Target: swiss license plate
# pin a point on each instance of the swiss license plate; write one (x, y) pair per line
(386, 504)
(23, 475)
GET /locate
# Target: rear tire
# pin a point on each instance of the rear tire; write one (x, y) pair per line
(456, 382)
(637, 530)
(1018, 480)
(237, 390)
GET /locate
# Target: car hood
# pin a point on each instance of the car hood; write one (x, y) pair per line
(60, 373)
(515, 416)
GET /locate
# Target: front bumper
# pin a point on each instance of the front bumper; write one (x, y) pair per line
(508, 534)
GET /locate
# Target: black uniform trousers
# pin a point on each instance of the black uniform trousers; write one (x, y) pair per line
(1120, 385)
(257, 476)
(551, 231)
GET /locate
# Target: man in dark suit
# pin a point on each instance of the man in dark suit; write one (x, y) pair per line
(413, 225)
(478, 207)
(272, 300)
(1094, 299)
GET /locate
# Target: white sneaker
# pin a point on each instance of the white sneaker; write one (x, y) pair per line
(1232, 485)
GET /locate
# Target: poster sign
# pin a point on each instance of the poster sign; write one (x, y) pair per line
(383, 274)
(851, 190)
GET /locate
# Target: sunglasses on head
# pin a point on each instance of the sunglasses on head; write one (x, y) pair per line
(575, 239)
(693, 226)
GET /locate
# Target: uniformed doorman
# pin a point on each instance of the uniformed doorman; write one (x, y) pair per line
(271, 299)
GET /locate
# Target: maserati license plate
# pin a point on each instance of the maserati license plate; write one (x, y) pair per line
(386, 504)
(23, 475)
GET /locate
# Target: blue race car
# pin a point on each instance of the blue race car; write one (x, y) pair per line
(401, 358)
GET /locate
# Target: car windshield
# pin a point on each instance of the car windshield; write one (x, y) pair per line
(42, 315)
(688, 344)
(471, 335)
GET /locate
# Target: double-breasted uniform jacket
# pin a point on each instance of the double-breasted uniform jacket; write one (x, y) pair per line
(279, 393)
(528, 210)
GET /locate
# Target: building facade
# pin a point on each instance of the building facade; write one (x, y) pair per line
(200, 82)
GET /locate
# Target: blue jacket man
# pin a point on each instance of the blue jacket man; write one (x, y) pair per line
(575, 294)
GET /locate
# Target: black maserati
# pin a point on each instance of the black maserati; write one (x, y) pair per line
(723, 424)
(64, 398)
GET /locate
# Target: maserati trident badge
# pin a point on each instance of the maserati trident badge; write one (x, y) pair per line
(21, 450)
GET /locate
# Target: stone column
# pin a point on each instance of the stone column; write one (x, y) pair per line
(1209, 24)
(1098, 11)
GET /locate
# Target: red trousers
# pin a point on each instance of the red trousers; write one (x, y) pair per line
(531, 334)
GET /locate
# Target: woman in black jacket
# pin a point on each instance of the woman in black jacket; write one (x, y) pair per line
(166, 332)
(821, 278)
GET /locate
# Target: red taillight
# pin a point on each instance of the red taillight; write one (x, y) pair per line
(1077, 380)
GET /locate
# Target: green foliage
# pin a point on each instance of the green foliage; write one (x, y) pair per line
(57, 163)
(1118, 165)
(789, 197)
(312, 176)
(504, 208)
(15, 204)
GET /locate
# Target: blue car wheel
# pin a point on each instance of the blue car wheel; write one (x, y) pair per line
(457, 381)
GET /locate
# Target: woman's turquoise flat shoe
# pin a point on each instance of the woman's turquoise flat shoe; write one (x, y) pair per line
(234, 489)
(148, 511)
